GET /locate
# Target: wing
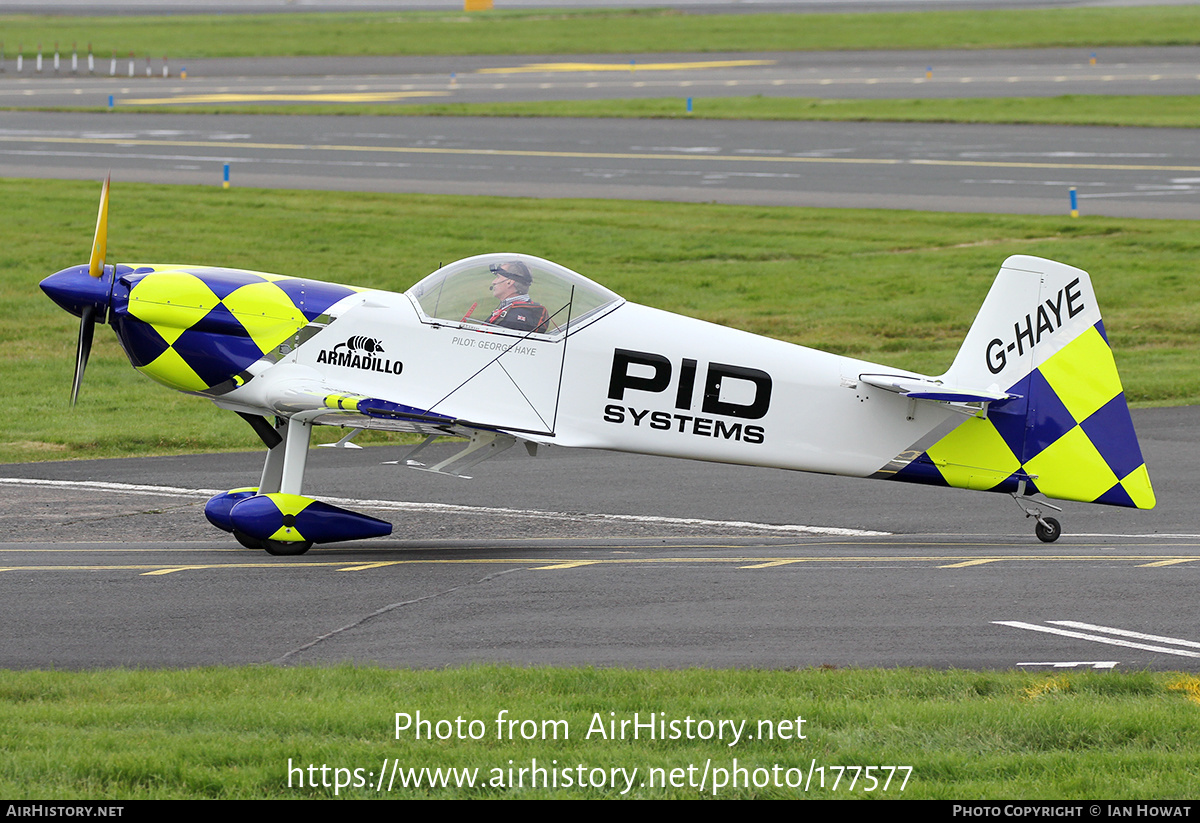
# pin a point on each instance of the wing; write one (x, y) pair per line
(311, 400)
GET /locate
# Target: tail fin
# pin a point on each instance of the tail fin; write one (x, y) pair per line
(1068, 432)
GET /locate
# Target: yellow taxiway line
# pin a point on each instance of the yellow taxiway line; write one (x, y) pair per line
(326, 97)
(590, 155)
(630, 66)
(567, 563)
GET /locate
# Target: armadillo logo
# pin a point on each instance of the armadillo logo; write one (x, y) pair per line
(360, 352)
(367, 344)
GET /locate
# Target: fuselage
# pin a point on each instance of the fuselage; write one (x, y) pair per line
(625, 377)
(633, 379)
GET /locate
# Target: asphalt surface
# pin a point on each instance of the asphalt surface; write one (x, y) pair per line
(596, 558)
(998, 169)
(977, 168)
(916, 73)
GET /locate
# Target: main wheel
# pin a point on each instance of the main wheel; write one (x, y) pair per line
(1048, 530)
(252, 543)
(280, 548)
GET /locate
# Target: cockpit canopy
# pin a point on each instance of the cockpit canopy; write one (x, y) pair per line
(460, 293)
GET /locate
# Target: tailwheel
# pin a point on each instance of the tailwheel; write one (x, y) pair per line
(1048, 529)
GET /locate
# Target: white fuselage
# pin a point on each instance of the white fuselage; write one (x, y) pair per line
(632, 379)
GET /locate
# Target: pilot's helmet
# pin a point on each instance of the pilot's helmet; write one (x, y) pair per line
(514, 270)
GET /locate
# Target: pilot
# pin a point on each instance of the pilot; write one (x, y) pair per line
(516, 311)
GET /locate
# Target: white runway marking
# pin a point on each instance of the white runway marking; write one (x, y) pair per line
(1075, 664)
(1112, 641)
(399, 505)
(1154, 638)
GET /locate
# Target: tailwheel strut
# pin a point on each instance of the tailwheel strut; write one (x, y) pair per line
(1047, 529)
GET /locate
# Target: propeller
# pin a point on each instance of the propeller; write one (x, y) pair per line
(86, 291)
(100, 241)
(87, 326)
(87, 317)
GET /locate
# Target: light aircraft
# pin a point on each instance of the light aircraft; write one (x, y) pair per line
(1032, 402)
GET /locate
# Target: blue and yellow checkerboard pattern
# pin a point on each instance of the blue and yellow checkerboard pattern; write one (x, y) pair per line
(1068, 434)
(196, 328)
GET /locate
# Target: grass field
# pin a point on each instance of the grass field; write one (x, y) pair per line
(231, 733)
(185, 37)
(898, 288)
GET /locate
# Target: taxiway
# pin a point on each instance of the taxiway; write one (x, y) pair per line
(594, 558)
(978, 168)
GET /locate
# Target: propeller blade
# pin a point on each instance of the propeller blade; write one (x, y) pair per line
(87, 326)
(100, 241)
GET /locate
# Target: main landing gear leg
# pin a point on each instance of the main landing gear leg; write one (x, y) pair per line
(1048, 529)
(272, 473)
(299, 433)
(276, 517)
(283, 472)
(294, 460)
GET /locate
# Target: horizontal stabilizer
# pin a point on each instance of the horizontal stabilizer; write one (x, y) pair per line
(923, 389)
